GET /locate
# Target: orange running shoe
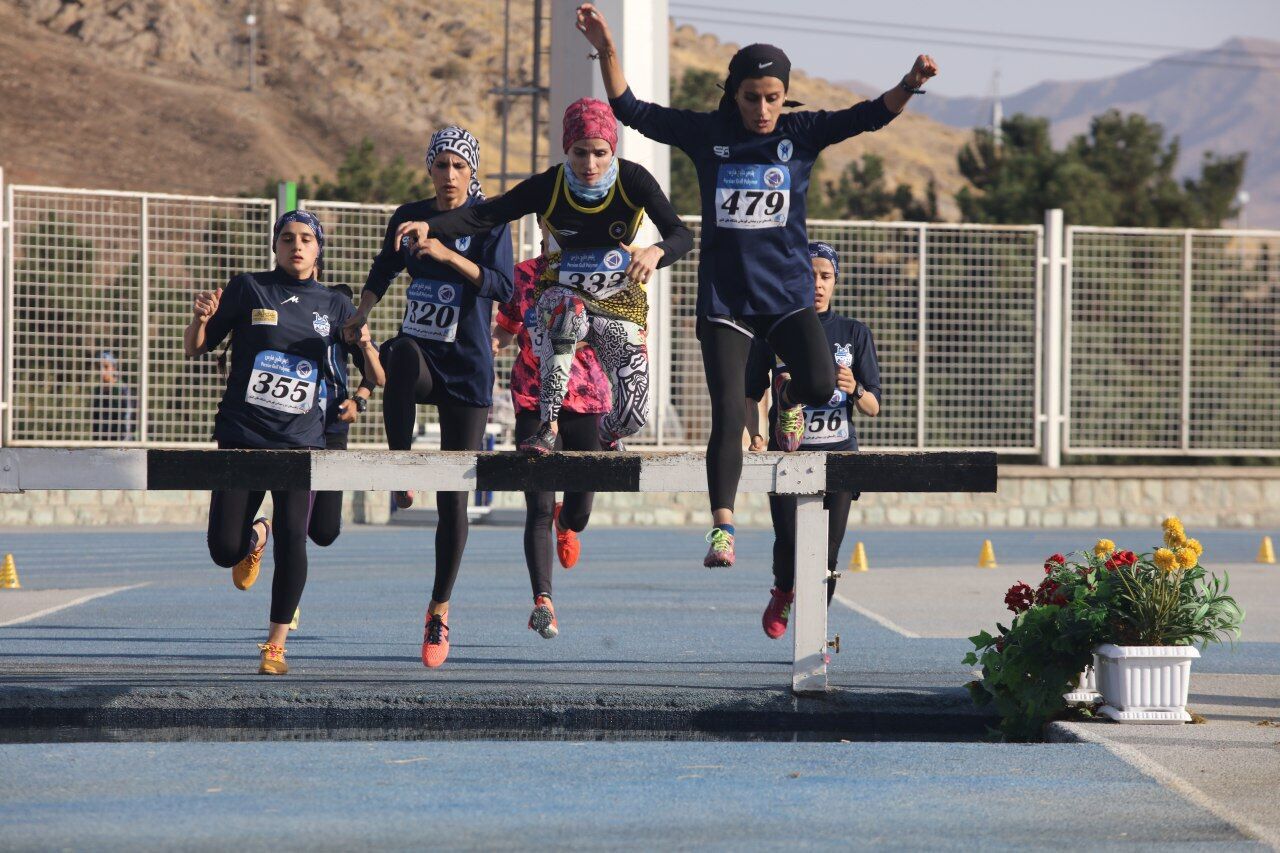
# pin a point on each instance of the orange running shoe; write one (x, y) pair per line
(543, 618)
(435, 640)
(245, 572)
(567, 545)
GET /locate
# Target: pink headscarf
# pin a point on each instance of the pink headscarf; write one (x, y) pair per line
(587, 118)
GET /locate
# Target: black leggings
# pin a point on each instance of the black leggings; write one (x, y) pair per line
(326, 507)
(800, 342)
(577, 432)
(409, 382)
(232, 537)
(783, 510)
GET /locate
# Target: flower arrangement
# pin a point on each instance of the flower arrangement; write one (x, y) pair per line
(1103, 595)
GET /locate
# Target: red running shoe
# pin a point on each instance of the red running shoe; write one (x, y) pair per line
(777, 613)
(435, 640)
(543, 617)
(567, 545)
(720, 554)
(788, 424)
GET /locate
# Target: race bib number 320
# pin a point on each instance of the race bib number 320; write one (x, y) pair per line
(432, 310)
(596, 272)
(282, 383)
(750, 196)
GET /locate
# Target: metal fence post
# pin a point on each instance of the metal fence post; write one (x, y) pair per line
(1051, 456)
(144, 320)
(4, 306)
(922, 283)
(1185, 395)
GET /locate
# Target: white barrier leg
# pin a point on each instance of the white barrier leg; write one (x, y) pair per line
(809, 613)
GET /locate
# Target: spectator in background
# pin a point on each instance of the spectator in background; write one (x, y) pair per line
(115, 408)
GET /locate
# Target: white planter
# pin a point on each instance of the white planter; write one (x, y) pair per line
(1086, 690)
(1145, 684)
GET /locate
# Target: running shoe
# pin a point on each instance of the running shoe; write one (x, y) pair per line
(543, 617)
(293, 625)
(403, 500)
(272, 662)
(567, 545)
(777, 613)
(541, 443)
(245, 572)
(720, 554)
(435, 640)
(788, 426)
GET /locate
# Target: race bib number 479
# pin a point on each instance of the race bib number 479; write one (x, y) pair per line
(432, 310)
(282, 383)
(750, 196)
(596, 272)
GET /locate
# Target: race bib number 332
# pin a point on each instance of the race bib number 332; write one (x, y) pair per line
(751, 196)
(283, 383)
(596, 272)
(432, 310)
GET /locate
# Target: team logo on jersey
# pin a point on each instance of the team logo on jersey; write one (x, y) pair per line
(265, 317)
(320, 323)
(293, 299)
(445, 293)
(785, 149)
(462, 244)
(837, 397)
(721, 151)
(303, 369)
(612, 260)
(844, 355)
(617, 230)
(773, 177)
(567, 233)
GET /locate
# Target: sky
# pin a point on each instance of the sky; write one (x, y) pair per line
(968, 71)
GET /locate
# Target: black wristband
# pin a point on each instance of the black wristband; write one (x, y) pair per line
(362, 403)
(909, 89)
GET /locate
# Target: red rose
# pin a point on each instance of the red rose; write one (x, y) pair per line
(1019, 597)
(1050, 592)
(1057, 561)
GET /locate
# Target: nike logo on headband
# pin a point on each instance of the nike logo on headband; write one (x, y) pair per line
(765, 64)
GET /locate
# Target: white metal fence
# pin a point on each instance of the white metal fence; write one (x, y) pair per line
(1171, 342)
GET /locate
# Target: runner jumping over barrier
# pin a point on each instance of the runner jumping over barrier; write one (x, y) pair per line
(593, 286)
(828, 427)
(753, 163)
(283, 324)
(443, 355)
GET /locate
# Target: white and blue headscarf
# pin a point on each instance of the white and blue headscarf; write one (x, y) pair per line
(818, 249)
(307, 219)
(456, 140)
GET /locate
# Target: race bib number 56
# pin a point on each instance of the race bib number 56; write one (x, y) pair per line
(282, 383)
(596, 272)
(751, 196)
(432, 310)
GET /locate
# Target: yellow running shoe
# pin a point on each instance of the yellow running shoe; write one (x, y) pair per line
(272, 660)
(245, 572)
(293, 626)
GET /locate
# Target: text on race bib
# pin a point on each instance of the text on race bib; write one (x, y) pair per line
(283, 383)
(751, 196)
(432, 310)
(826, 426)
(596, 272)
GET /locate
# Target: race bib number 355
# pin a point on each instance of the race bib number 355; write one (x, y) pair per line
(432, 310)
(752, 196)
(282, 383)
(596, 272)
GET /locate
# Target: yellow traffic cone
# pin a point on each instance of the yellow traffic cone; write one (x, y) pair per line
(858, 562)
(987, 559)
(1266, 553)
(293, 626)
(9, 574)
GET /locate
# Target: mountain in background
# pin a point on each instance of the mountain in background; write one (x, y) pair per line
(152, 96)
(1208, 107)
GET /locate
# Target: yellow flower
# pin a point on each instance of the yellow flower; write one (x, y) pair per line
(1187, 557)
(1194, 545)
(1166, 560)
(1175, 536)
(1104, 548)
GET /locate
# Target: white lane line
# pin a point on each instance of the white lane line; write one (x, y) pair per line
(74, 602)
(1168, 779)
(882, 621)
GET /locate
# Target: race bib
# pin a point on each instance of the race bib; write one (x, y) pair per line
(750, 196)
(828, 424)
(596, 272)
(283, 383)
(432, 310)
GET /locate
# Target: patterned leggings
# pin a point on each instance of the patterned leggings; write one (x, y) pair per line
(564, 321)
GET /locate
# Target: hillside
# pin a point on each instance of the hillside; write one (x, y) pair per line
(1209, 108)
(152, 96)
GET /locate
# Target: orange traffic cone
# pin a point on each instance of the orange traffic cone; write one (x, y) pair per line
(987, 559)
(1266, 553)
(9, 574)
(858, 562)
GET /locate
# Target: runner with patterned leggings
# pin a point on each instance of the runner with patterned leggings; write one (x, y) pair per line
(593, 286)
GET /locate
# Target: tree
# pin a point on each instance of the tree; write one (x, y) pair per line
(862, 192)
(696, 91)
(363, 177)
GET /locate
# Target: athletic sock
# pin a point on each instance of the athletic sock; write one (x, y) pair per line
(727, 528)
